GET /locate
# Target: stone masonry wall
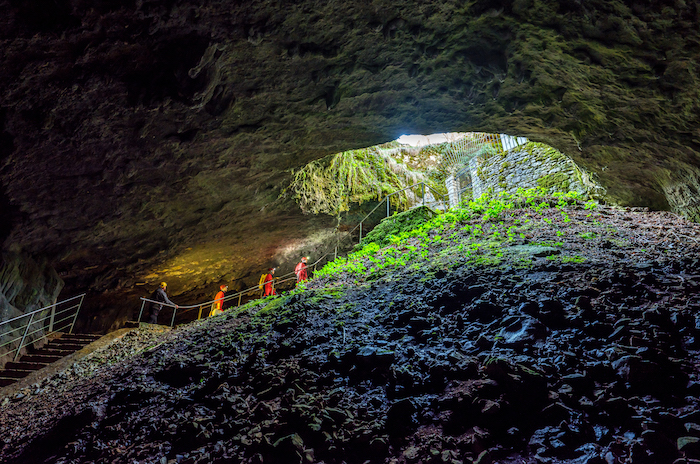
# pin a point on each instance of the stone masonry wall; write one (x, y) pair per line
(528, 166)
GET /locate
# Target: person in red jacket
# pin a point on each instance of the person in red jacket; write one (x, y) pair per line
(269, 286)
(300, 270)
(218, 306)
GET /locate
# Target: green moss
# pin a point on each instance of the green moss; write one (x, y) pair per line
(557, 181)
(399, 223)
(474, 234)
(331, 184)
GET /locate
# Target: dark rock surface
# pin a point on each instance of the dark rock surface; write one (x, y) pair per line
(590, 362)
(25, 286)
(149, 140)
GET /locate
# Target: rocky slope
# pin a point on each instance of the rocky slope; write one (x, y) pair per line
(149, 139)
(561, 334)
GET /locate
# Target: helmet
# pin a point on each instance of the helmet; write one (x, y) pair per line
(223, 287)
(163, 284)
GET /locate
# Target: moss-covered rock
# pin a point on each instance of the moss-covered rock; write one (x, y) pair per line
(398, 223)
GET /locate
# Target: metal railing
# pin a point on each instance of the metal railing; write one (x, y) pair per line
(47, 320)
(388, 197)
(276, 282)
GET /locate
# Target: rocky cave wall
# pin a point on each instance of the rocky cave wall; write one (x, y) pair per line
(150, 140)
(25, 286)
(530, 166)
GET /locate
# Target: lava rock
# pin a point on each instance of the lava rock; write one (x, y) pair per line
(522, 331)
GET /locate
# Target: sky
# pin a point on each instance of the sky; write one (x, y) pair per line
(418, 140)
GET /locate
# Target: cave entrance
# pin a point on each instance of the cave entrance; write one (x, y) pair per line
(438, 170)
(456, 158)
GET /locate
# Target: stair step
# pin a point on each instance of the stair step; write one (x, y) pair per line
(36, 359)
(27, 366)
(40, 358)
(65, 346)
(89, 337)
(14, 373)
(52, 352)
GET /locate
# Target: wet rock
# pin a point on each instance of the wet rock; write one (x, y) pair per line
(400, 418)
(530, 308)
(590, 453)
(635, 370)
(556, 413)
(689, 446)
(549, 442)
(551, 312)
(582, 383)
(655, 447)
(372, 356)
(522, 331)
(289, 449)
(484, 458)
(483, 311)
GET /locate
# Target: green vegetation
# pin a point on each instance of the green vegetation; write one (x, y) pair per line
(479, 232)
(558, 181)
(398, 223)
(331, 184)
(484, 232)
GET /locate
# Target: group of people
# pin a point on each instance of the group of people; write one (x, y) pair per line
(267, 284)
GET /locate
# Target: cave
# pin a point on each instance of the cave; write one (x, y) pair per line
(137, 138)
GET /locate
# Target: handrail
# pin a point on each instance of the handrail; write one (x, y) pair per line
(40, 309)
(285, 277)
(278, 280)
(442, 199)
(54, 324)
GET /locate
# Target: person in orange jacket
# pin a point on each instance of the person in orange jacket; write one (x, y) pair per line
(218, 306)
(269, 286)
(300, 270)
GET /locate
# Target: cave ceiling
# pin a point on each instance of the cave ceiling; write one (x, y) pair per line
(151, 139)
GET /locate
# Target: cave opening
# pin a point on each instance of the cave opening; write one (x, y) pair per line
(450, 168)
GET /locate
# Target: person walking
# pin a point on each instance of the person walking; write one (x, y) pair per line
(300, 270)
(269, 283)
(161, 297)
(218, 306)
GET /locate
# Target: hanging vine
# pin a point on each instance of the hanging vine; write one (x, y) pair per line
(330, 185)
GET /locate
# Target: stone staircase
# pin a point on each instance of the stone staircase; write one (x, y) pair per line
(37, 359)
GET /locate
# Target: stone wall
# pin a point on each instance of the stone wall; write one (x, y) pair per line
(529, 166)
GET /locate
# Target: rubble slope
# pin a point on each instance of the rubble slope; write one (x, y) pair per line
(517, 330)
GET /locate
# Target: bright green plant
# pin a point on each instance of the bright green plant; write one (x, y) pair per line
(475, 233)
